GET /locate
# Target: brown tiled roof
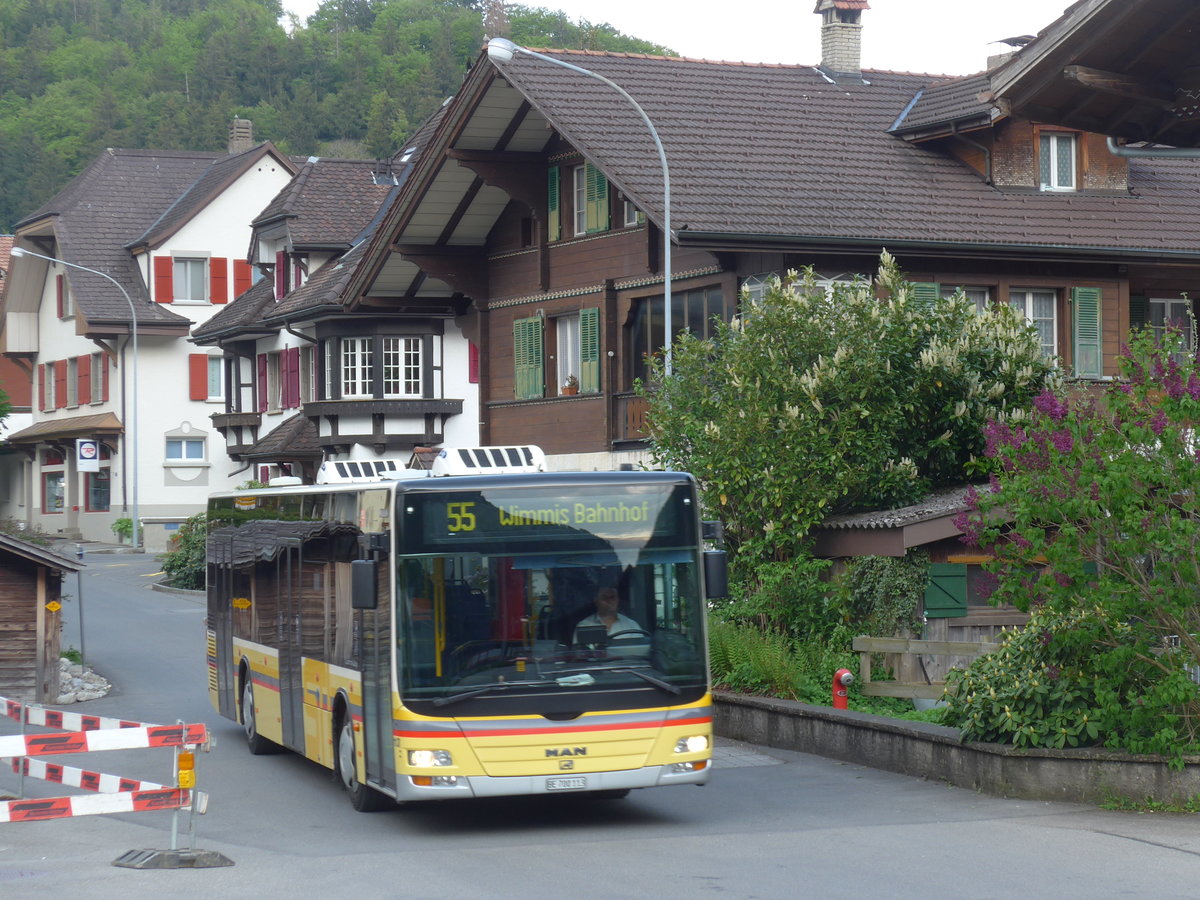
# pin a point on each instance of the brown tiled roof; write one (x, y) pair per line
(948, 501)
(105, 207)
(323, 290)
(949, 101)
(295, 438)
(329, 202)
(223, 171)
(782, 156)
(240, 315)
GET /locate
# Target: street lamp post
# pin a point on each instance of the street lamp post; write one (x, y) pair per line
(131, 435)
(503, 50)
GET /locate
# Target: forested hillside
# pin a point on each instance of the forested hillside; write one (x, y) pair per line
(77, 76)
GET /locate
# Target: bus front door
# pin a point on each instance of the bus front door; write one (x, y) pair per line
(377, 684)
(288, 579)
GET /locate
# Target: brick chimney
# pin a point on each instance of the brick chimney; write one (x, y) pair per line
(841, 35)
(241, 136)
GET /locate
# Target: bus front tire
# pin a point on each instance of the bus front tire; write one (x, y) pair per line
(363, 797)
(259, 745)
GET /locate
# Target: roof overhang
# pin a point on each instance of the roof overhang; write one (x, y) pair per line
(51, 430)
(1124, 68)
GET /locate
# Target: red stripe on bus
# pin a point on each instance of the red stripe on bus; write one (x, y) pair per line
(510, 732)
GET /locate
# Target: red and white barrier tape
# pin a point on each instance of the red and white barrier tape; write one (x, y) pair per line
(81, 778)
(112, 739)
(96, 804)
(56, 718)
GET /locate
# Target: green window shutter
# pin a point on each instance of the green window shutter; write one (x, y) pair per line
(1139, 311)
(946, 594)
(926, 294)
(529, 380)
(1088, 349)
(553, 205)
(597, 199)
(589, 351)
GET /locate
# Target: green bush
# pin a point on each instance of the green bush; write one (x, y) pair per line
(184, 563)
(123, 528)
(882, 596)
(751, 661)
(788, 597)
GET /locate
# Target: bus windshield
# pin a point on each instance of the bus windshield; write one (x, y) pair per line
(519, 600)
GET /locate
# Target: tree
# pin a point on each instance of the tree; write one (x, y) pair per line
(1094, 517)
(815, 402)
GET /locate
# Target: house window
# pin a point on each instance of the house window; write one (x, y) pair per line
(357, 360)
(274, 383)
(695, 311)
(579, 174)
(1173, 314)
(73, 381)
(49, 382)
(97, 491)
(189, 280)
(754, 287)
(99, 376)
(981, 296)
(185, 450)
(566, 337)
(1040, 308)
(53, 492)
(401, 367)
(216, 378)
(1057, 161)
(630, 215)
(308, 374)
(66, 305)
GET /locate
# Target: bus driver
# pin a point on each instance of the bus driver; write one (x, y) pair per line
(608, 616)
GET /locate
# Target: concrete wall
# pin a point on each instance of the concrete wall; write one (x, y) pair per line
(931, 751)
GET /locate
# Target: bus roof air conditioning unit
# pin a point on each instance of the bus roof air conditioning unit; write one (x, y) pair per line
(345, 471)
(489, 460)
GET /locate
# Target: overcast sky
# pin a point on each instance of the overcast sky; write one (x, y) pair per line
(953, 37)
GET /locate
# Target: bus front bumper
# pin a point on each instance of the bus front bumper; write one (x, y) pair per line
(463, 786)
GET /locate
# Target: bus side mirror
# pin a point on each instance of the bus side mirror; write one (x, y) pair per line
(716, 574)
(363, 584)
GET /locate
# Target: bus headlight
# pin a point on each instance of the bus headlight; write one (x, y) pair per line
(697, 743)
(426, 758)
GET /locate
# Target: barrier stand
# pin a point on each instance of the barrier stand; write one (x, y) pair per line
(113, 793)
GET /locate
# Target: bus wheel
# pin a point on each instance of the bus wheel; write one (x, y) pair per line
(258, 744)
(363, 797)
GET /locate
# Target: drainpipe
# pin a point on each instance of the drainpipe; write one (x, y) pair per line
(1152, 152)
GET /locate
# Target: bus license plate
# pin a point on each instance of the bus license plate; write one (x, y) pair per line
(576, 783)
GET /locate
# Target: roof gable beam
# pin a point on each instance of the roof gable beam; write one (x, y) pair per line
(463, 268)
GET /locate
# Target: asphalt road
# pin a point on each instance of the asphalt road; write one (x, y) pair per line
(772, 824)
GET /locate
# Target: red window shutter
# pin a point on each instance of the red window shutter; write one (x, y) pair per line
(280, 275)
(473, 363)
(41, 387)
(262, 382)
(104, 367)
(58, 288)
(242, 277)
(60, 384)
(84, 384)
(164, 279)
(292, 355)
(197, 376)
(218, 279)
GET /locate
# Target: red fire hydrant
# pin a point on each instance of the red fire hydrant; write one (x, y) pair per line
(841, 679)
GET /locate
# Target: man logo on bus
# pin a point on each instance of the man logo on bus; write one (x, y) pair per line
(566, 751)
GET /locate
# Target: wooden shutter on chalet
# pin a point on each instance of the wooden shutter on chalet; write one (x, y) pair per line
(528, 359)
(41, 388)
(58, 291)
(60, 384)
(946, 593)
(553, 205)
(1139, 311)
(926, 294)
(262, 382)
(281, 281)
(218, 280)
(164, 280)
(589, 351)
(83, 373)
(197, 376)
(291, 377)
(473, 363)
(243, 277)
(596, 188)
(1088, 348)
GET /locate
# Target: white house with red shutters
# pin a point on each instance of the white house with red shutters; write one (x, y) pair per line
(146, 242)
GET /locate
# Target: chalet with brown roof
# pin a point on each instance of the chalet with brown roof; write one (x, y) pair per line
(538, 206)
(142, 242)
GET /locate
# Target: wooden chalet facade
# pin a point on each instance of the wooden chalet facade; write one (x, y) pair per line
(537, 203)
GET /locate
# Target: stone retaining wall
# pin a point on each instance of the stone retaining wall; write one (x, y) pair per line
(934, 752)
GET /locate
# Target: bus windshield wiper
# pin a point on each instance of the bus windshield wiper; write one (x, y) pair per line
(640, 673)
(487, 689)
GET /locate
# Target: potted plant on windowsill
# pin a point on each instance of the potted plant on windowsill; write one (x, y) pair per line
(570, 386)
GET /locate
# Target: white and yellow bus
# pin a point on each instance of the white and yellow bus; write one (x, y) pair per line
(421, 636)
